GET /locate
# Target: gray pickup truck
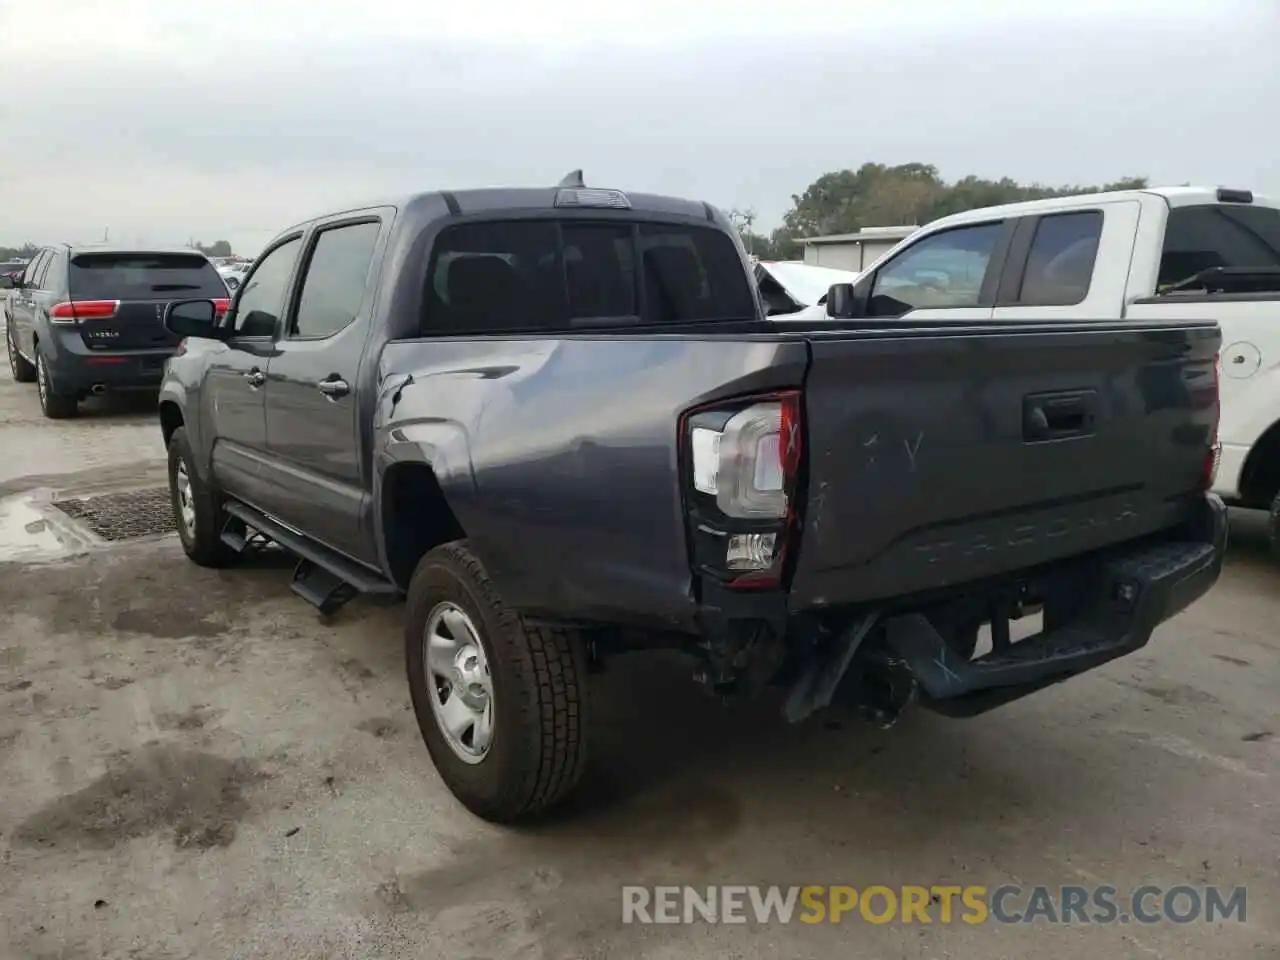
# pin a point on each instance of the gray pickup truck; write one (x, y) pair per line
(557, 421)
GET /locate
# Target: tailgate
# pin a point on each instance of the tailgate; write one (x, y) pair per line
(125, 294)
(135, 325)
(942, 456)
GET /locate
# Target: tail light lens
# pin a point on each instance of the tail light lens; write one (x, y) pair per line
(1213, 455)
(73, 310)
(220, 306)
(743, 463)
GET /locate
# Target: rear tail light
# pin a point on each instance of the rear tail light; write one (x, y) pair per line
(72, 310)
(220, 306)
(1213, 456)
(742, 462)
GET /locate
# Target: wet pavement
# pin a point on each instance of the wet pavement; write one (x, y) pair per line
(193, 764)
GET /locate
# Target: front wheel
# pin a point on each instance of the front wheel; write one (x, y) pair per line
(197, 510)
(500, 702)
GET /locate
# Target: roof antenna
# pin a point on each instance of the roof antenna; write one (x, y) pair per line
(572, 179)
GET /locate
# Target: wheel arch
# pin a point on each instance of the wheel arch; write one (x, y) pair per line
(414, 516)
(1260, 475)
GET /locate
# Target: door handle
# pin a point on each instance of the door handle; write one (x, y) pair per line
(1057, 416)
(255, 378)
(333, 387)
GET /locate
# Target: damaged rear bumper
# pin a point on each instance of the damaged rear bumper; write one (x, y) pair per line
(1127, 596)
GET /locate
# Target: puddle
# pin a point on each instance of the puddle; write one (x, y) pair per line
(28, 532)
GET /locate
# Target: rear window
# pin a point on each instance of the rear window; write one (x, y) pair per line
(1219, 235)
(143, 276)
(542, 275)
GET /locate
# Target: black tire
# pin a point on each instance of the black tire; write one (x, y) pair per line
(23, 371)
(1273, 527)
(54, 405)
(538, 677)
(202, 539)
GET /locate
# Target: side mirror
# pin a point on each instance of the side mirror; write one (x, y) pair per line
(6, 282)
(192, 318)
(841, 301)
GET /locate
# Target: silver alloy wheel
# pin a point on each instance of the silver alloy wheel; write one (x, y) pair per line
(186, 503)
(42, 380)
(458, 681)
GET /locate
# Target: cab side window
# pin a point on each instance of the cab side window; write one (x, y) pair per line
(1060, 264)
(943, 270)
(262, 298)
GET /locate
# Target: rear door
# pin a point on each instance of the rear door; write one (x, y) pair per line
(1069, 264)
(140, 285)
(315, 464)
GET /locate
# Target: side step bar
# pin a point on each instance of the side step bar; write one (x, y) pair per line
(324, 578)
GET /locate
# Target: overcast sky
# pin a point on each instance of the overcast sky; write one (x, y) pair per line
(163, 119)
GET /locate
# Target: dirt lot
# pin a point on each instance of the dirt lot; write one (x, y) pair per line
(193, 764)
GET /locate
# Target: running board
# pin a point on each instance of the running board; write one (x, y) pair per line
(323, 577)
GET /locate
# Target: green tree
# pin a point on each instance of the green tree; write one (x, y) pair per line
(845, 201)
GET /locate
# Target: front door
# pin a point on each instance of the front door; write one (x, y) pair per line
(237, 376)
(313, 417)
(948, 275)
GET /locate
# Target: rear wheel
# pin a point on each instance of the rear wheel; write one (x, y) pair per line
(499, 701)
(22, 370)
(54, 405)
(197, 509)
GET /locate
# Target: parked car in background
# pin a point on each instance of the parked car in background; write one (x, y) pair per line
(1148, 256)
(558, 422)
(89, 319)
(232, 273)
(795, 290)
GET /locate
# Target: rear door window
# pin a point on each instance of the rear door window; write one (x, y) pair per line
(29, 277)
(1060, 264)
(544, 276)
(144, 276)
(334, 285)
(1219, 235)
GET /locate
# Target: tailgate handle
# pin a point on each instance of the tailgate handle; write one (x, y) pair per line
(1057, 416)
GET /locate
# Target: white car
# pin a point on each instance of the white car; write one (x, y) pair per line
(232, 274)
(794, 290)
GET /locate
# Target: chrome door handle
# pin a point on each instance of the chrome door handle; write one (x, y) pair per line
(334, 387)
(255, 377)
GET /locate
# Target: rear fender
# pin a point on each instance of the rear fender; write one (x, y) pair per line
(439, 445)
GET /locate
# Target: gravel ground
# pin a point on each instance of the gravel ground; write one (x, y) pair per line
(193, 764)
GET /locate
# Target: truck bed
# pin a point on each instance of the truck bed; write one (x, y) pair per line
(935, 455)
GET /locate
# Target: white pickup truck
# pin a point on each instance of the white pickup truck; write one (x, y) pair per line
(1180, 252)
